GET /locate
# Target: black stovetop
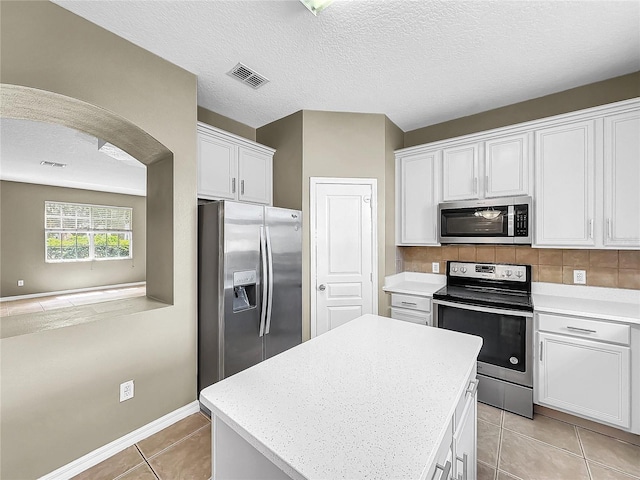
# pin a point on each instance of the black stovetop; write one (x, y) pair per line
(494, 292)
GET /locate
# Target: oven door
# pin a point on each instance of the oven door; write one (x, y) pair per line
(506, 337)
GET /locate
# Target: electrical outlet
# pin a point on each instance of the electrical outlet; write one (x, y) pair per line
(435, 267)
(21, 283)
(580, 276)
(126, 390)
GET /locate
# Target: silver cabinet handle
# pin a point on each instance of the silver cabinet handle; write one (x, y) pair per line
(241, 187)
(445, 471)
(465, 470)
(475, 185)
(486, 183)
(410, 303)
(233, 185)
(609, 228)
(540, 350)
(581, 330)
(473, 387)
(322, 288)
(591, 228)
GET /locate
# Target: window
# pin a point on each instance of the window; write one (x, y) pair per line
(75, 232)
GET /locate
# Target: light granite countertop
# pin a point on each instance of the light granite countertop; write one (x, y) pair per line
(615, 304)
(369, 399)
(413, 283)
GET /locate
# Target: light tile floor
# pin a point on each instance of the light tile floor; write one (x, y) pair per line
(53, 302)
(509, 447)
(180, 451)
(513, 447)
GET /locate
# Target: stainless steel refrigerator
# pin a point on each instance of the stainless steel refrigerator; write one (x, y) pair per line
(249, 286)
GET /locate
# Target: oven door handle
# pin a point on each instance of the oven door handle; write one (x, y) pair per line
(477, 308)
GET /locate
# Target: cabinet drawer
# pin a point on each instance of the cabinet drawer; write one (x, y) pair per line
(422, 318)
(582, 327)
(411, 302)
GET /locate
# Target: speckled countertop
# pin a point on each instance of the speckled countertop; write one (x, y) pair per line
(370, 399)
(615, 304)
(413, 283)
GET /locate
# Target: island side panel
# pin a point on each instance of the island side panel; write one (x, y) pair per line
(235, 459)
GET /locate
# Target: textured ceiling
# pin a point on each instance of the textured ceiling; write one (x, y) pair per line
(25, 143)
(418, 62)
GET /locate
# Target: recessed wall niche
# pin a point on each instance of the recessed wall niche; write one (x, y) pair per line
(19, 102)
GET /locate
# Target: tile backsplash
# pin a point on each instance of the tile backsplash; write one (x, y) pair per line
(605, 268)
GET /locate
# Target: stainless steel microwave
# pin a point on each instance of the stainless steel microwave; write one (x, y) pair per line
(497, 220)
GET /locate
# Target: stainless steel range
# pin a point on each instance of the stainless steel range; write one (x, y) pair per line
(493, 301)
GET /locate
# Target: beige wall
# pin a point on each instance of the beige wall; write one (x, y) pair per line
(59, 388)
(332, 144)
(600, 93)
(22, 252)
(285, 135)
(393, 140)
(225, 123)
(342, 145)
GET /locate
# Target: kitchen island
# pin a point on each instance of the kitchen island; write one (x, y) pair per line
(375, 398)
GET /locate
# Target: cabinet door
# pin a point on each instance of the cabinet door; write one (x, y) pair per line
(464, 440)
(586, 378)
(507, 166)
(255, 176)
(622, 180)
(565, 170)
(460, 172)
(416, 200)
(216, 168)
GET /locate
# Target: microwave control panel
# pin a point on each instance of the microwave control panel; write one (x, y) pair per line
(521, 215)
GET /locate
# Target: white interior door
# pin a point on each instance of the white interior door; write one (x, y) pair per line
(343, 234)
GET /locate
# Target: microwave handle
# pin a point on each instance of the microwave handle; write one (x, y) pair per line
(510, 221)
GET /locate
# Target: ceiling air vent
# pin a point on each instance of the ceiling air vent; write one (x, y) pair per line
(248, 76)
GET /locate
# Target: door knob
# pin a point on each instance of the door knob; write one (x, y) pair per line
(322, 288)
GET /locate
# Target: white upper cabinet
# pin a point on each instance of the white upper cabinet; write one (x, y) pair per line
(416, 199)
(506, 163)
(255, 176)
(565, 185)
(216, 167)
(497, 167)
(581, 168)
(460, 172)
(622, 180)
(233, 168)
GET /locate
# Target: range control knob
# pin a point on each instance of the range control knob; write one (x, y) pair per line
(454, 269)
(463, 269)
(519, 274)
(508, 273)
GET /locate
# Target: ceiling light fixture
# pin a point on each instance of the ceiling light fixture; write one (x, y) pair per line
(316, 6)
(53, 164)
(488, 214)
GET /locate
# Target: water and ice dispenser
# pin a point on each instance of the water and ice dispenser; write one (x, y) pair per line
(244, 290)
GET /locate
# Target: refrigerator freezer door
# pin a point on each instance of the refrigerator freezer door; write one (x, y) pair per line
(285, 239)
(210, 289)
(243, 346)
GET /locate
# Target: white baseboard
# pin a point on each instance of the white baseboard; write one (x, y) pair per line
(98, 455)
(76, 290)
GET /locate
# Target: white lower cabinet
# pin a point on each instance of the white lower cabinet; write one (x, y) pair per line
(464, 438)
(411, 308)
(457, 454)
(581, 372)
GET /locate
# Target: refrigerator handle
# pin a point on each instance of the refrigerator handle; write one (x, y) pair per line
(270, 282)
(264, 281)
